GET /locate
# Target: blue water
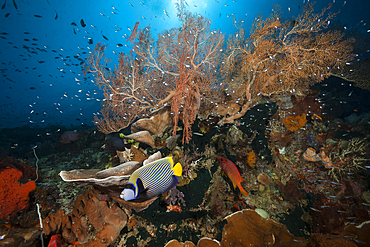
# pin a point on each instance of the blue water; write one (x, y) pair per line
(42, 53)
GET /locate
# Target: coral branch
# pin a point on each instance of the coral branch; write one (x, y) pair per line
(129, 92)
(134, 32)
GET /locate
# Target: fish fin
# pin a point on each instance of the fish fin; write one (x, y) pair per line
(177, 170)
(245, 193)
(140, 187)
(243, 181)
(144, 199)
(234, 185)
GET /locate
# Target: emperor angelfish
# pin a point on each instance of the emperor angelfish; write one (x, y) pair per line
(151, 180)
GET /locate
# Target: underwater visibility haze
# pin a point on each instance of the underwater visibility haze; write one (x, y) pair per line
(216, 122)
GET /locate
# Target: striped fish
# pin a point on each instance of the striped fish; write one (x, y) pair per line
(151, 180)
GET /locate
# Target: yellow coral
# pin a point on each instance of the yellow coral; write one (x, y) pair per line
(294, 123)
(251, 160)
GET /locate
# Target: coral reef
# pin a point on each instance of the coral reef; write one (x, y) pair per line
(295, 161)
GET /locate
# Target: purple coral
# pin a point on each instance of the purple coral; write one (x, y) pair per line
(175, 196)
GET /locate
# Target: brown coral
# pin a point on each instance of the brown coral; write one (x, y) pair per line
(93, 222)
(248, 228)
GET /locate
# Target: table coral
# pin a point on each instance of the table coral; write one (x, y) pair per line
(13, 195)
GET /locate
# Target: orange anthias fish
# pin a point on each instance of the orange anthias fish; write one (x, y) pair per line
(232, 172)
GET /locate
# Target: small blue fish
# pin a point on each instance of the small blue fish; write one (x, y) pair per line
(151, 180)
(336, 183)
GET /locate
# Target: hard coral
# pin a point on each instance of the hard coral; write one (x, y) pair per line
(203, 242)
(248, 228)
(93, 222)
(293, 123)
(175, 243)
(13, 196)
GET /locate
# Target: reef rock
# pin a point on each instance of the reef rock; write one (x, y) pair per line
(359, 233)
(20, 237)
(319, 240)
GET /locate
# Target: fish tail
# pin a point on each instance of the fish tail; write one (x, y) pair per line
(245, 193)
(177, 170)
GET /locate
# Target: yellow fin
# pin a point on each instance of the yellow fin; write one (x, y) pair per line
(234, 184)
(177, 170)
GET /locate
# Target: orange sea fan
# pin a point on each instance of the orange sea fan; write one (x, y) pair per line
(134, 32)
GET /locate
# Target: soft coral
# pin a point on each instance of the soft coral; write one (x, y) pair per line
(13, 195)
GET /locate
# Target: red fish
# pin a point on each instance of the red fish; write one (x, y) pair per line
(55, 241)
(232, 172)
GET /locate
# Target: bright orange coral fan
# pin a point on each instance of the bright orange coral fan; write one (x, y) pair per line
(13, 195)
(294, 123)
